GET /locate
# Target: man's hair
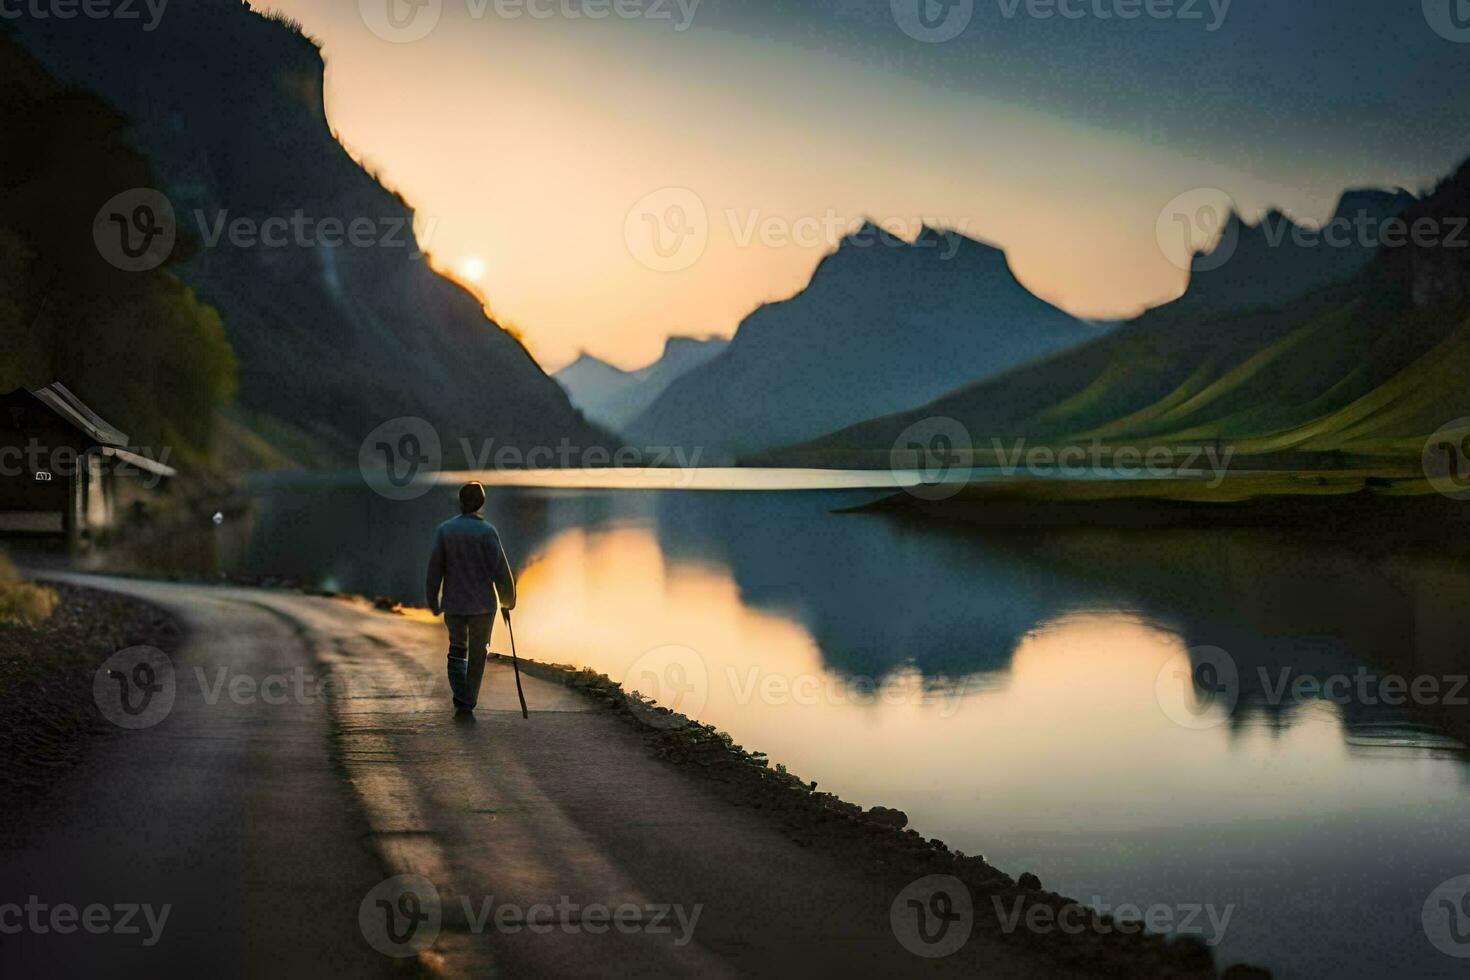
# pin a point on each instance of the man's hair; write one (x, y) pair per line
(471, 497)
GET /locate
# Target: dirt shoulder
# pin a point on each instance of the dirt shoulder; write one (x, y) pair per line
(47, 716)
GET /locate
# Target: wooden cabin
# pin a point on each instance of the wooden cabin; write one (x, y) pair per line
(63, 468)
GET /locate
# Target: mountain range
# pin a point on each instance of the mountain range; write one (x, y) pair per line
(1368, 362)
(1283, 339)
(332, 340)
(612, 397)
(882, 325)
(1277, 259)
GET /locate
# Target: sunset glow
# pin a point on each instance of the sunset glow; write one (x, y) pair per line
(532, 141)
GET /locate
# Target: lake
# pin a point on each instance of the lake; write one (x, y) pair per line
(1176, 720)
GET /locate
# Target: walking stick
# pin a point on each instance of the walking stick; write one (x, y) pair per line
(515, 664)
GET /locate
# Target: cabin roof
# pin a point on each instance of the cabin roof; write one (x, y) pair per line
(103, 438)
(141, 462)
(57, 397)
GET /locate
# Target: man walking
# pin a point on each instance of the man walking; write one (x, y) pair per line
(469, 564)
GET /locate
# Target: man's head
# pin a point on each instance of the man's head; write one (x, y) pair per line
(471, 498)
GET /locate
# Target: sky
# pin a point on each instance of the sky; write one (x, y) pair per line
(603, 182)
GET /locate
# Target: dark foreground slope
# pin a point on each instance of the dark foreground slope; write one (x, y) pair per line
(332, 340)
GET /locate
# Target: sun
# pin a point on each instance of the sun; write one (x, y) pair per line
(471, 268)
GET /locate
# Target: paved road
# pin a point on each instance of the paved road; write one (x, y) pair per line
(309, 761)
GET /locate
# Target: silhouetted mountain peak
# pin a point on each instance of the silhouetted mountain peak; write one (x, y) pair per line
(884, 323)
(929, 236)
(610, 396)
(953, 244)
(1276, 257)
(680, 344)
(1431, 267)
(871, 244)
(587, 360)
(1373, 202)
(867, 237)
(1275, 228)
(1304, 344)
(591, 370)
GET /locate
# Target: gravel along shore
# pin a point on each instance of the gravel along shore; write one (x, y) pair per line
(47, 714)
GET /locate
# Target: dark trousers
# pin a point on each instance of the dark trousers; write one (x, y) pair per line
(469, 641)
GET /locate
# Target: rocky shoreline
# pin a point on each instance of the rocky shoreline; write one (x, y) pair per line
(879, 839)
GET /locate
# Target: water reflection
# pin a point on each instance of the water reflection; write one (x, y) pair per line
(1004, 689)
(1298, 617)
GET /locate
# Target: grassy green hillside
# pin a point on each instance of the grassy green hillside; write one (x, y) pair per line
(1368, 366)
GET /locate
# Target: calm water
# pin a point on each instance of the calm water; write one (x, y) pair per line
(1025, 696)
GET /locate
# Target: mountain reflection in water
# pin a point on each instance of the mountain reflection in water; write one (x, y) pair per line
(1013, 693)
